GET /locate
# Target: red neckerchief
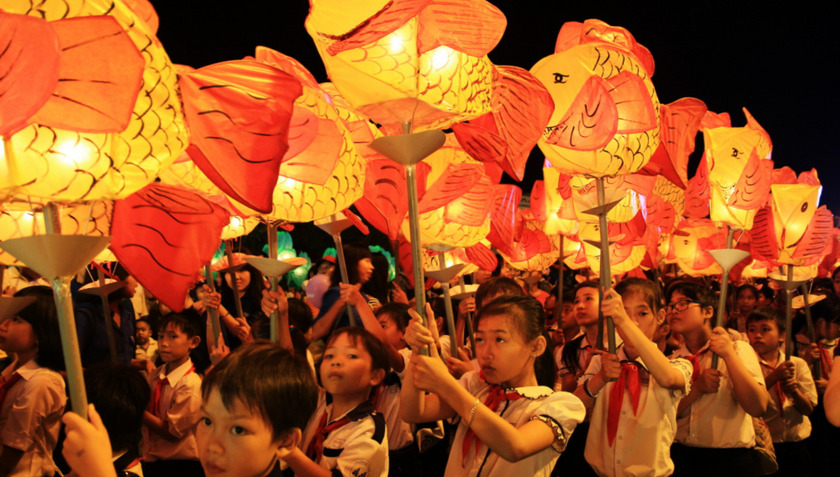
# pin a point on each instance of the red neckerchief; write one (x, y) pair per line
(6, 384)
(629, 379)
(780, 395)
(825, 360)
(497, 396)
(316, 447)
(154, 405)
(694, 359)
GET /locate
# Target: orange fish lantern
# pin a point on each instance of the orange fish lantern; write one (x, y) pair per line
(793, 229)
(606, 111)
(739, 172)
(558, 206)
(101, 138)
(532, 249)
(690, 245)
(627, 250)
(418, 61)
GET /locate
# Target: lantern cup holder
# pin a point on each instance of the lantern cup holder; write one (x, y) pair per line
(728, 257)
(409, 149)
(55, 255)
(444, 275)
(275, 268)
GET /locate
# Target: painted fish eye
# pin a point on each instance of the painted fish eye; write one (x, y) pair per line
(560, 78)
(804, 207)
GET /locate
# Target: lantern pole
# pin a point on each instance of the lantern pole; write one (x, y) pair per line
(726, 258)
(408, 149)
(272, 254)
(809, 321)
(342, 268)
(560, 276)
(443, 275)
(789, 313)
(468, 323)
(214, 313)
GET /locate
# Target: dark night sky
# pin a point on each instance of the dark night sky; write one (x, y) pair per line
(778, 62)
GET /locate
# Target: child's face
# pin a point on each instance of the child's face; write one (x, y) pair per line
(764, 336)
(640, 312)
(567, 317)
(235, 441)
(504, 357)
(174, 345)
(243, 279)
(393, 335)
(346, 368)
(17, 336)
(692, 318)
(365, 270)
(746, 301)
(586, 306)
(143, 332)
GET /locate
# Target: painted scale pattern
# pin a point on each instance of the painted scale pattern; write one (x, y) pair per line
(118, 164)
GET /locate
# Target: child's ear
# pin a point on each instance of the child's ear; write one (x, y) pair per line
(288, 443)
(660, 317)
(538, 346)
(195, 341)
(376, 376)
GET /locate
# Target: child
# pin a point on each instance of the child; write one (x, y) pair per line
(634, 419)
(793, 394)
(242, 431)
(169, 446)
(746, 299)
(346, 436)
(32, 396)
(715, 432)
(510, 425)
(147, 347)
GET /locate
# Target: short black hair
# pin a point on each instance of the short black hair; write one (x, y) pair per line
(43, 317)
(398, 312)
(693, 291)
(767, 313)
(121, 396)
(375, 348)
(274, 383)
(185, 323)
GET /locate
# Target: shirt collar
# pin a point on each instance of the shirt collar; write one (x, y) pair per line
(27, 370)
(176, 373)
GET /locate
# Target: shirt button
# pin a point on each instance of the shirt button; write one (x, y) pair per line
(620, 437)
(618, 462)
(623, 413)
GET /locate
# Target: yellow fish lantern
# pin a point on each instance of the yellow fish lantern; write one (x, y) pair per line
(573, 251)
(739, 172)
(532, 250)
(423, 62)
(627, 249)
(690, 245)
(77, 150)
(606, 116)
(559, 208)
(630, 191)
(322, 173)
(793, 230)
(456, 202)
(93, 219)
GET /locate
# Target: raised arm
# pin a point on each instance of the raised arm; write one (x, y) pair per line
(749, 393)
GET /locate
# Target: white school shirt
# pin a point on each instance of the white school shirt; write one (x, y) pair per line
(790, 425)
(716, 420)
(359, 448)
(387, 400)
(643, 440)
(560, 410)
(180, 408)
(584, 355)
(31, 416)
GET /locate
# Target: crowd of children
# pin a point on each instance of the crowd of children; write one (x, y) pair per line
(530, 387)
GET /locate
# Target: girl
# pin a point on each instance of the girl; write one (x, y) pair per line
(715, 433)
(634, 419)
(359, 272)
(746, 299)
(32, 396)
(346, 437)
(510, 425)
(248, 285)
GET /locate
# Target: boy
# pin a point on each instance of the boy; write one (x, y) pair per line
(793, 394)
(346, 437)
(243, 432)
(147, 347)
(169, 445)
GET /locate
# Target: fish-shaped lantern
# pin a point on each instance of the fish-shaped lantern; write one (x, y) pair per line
(606, 111)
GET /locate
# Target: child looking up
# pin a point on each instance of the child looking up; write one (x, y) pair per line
(346, 437)
(793, 394)
(715, 433)
(169, 446)
(510, 424)
(634, 419)
(243, 432)
(32, 396)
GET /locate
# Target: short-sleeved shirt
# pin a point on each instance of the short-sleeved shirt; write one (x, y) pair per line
(150, 353)
(584, 355)
(716, 420)
(560, 410)
(789, 425)
(387, 403)
(31, 416)
(180, 409)
(642, 442)
(358, 448)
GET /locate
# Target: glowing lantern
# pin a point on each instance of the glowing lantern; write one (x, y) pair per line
(422, 62)
(606, 116)
(690, 246)
(626, 252)
(793, 230)
(739, 172)
(559, 210)
(83, 149)
(532, 249)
